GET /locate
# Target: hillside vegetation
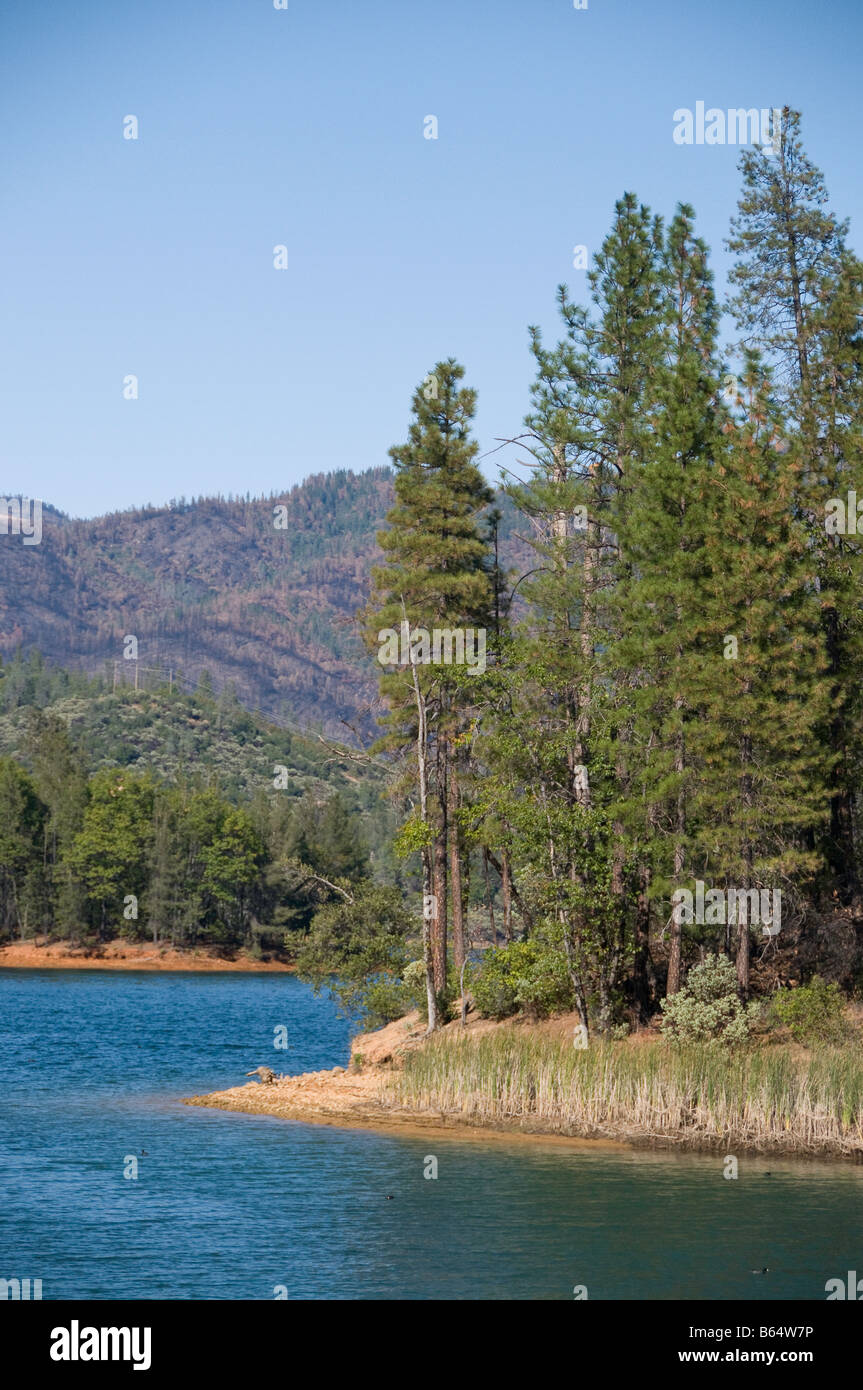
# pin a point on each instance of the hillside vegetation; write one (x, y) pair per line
(178, 818)
(261, 599)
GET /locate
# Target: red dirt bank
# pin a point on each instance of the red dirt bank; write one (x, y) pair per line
(123, 955)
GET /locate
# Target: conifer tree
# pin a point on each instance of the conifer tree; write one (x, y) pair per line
(627, 285)
(661, 538)
(758, 669)
(62, 786)
(22, 816)
(585, 436)
(800, 302)
(437, 575)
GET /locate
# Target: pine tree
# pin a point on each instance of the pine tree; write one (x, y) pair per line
(790, 253)
(758, 669)
(110, 854)
(62, 786)
(22, 816)
(165, 869)
(628, 288)
(586, 435)
(661, 537)
(342, 854)
(437, 575)
(800, 302)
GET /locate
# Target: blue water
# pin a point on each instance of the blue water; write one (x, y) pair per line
(94, 1066)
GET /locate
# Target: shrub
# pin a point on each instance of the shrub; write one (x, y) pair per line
(416, 997)
(414, 981)
(385, 999)
(358, 950)
(527, 975)
(492, 985)
(708, 1008)
(813, 1012)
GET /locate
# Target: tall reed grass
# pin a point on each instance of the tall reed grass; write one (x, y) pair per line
(767, 1099)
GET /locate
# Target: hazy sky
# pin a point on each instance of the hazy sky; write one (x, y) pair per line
(304, 127)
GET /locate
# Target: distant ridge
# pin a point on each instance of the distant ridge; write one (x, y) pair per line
(212, 585)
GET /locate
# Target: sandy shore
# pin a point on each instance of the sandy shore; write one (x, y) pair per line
(123, 955)
(348, 1101)
(363, 1096)
(360, 1096)
(351, 1100)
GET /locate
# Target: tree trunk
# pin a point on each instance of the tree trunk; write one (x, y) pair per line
(455, 874)
(742, 956)
(488, 897)
(422, 770)
(439, 920)
(674, 956)
(506, 888)
(641, 962)
(742, 918)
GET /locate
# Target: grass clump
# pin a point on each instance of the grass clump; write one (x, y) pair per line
(695, 1094)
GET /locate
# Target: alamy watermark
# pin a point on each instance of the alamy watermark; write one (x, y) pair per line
(850, 1290)
(21, 516)
(19, 1290)
(736, 126)
(844, 518)
(77, 1343)
(443, 646)
(726, 905)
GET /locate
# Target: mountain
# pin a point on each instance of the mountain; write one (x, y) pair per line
(215, 586)
(174, 735)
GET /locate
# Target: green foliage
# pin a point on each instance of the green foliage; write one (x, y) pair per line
(22, 819)
(358, 949)
(814, 1013)
(181, 737)
(324, 836)
(414, 982)
(110, 852)
(529, 975)
(413, 835)
(384, 1000)
(799, 302)
(708, 1008)
(493, 987)
(675, 695)
(203, 869)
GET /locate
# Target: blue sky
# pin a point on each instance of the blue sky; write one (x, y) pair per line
(304, 127)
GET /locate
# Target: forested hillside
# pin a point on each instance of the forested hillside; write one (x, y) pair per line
(259, 593)
(178, 817)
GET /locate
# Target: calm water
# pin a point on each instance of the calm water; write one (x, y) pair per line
(229, 1206)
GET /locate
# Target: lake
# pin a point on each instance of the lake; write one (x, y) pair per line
(232, 1206)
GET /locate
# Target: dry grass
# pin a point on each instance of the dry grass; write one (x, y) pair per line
(768, 1099)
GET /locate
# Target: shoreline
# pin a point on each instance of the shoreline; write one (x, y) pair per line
(368, 1095)
(341, 1100)
(370, 1114)
(127, 955)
